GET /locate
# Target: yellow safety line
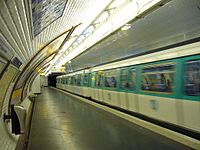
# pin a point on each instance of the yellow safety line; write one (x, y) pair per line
(16, 93)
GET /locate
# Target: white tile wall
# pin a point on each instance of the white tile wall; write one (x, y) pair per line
(7, 140)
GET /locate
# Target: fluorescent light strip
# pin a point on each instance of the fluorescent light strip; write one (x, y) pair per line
(110, 24)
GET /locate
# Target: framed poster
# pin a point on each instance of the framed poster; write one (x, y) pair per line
(45, 12)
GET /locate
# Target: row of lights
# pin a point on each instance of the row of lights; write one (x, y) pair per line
(89, 30)
(114, 16)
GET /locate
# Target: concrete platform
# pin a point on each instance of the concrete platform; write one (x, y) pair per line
(62, 122)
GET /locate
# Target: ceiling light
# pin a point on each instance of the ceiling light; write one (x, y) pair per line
(117, 3)
(80, 39)
(88, 30)
(102, 18)
(126, 27)
(127, 11)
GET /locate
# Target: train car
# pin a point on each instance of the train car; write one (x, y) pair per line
(163, 85)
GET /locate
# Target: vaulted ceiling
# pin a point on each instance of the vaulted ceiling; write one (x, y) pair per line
(33, 31)
(173, 23)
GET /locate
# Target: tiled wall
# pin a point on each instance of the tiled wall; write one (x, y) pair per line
(7, 140)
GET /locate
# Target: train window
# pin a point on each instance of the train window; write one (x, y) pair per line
(66, 80)
(98, 79)
(62, 80)
(85, 80)
(123, 82)
(111, 79)
(158, 78)
(192, 78)
(72, 80)
(132, 79)
(69, 80)
(79, 79)
(75, 79)
(90, 82)
(101, 80)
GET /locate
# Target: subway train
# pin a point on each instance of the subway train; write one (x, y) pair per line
(163, 85)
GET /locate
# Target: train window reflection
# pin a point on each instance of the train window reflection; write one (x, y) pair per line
(192, 78)
(158, 78)
(111, 79)
(132, 79)
(123, 79)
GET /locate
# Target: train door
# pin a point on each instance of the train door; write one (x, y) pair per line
(123, 86)
(132, 97)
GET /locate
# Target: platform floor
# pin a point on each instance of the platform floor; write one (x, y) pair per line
(61, 122)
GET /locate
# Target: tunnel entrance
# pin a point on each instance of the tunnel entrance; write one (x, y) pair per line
(52, 78)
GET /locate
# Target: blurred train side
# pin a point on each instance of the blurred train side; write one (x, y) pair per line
(178, 104)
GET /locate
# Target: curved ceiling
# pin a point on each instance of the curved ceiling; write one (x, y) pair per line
(169, 24)
(17, 24)
(174, 22)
